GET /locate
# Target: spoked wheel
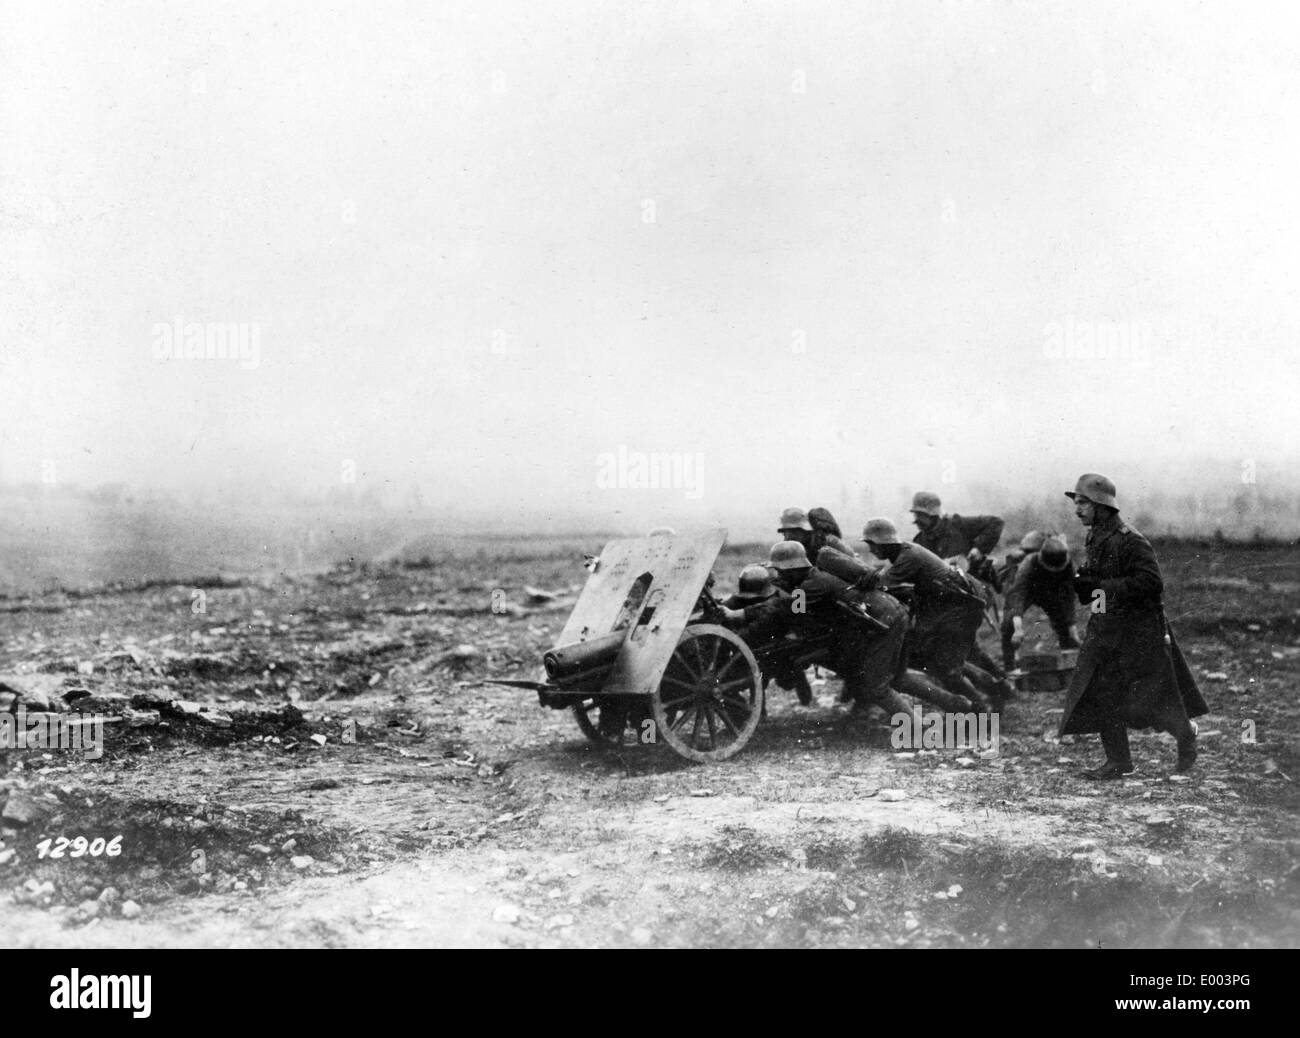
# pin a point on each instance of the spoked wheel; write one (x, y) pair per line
(711, 696)
(603, 719)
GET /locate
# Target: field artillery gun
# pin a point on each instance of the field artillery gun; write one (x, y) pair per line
(643, 650)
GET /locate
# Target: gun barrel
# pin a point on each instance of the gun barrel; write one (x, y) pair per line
(580, 660)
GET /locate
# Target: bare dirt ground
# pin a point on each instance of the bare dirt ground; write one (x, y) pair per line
(468, 815)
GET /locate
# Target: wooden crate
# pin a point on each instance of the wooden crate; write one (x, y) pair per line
(1044, 681)
(1049, 660)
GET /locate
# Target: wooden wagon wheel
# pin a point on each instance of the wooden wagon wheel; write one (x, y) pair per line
(711, 696)
(599, 716)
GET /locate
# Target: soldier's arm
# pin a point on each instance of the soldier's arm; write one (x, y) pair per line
(983, 531)
(768, 620)
(1141, 578)
(903, 570)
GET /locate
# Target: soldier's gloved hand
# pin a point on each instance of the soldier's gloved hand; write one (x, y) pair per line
(1017, 635)
(734, 616)
(974, 555)
(1084, 587)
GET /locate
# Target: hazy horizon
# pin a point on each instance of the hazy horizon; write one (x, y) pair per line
(819, 255)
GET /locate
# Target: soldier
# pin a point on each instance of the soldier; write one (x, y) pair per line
(820, 604)
(1043, 579)
(949, 536)
(947, 611)
(1029, 543)
(754, 587)
(971, 537)
(796, 526)
(1131, 673)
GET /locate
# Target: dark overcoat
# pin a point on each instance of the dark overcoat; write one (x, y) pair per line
(1128, 670)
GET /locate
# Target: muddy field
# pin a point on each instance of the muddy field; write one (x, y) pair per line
(308, 761)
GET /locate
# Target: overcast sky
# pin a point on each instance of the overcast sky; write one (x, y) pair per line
(478, 245)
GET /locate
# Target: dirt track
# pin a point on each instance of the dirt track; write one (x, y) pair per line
(468, 815)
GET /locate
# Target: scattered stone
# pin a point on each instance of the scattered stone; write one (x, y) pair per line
(130, 910)
(141, 718)
(109, 896)
(1215, 675)
(559, 921)
(288, 845)
(21, 808)
(891, 795)
(505, 913)
(302, 861)
(154, 699)
(701, 792)
(1160, 818)
(6, 856)
(103, 703)
(641, 936)
(319, 740)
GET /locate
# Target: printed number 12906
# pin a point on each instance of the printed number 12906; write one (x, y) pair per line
(80, 847)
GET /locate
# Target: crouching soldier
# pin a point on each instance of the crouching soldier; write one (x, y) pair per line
(946, 613)
(1044, 579)
(820, 605)
(1131, 673)
(754, 587)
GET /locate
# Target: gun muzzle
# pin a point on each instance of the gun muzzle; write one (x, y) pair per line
(579, 661)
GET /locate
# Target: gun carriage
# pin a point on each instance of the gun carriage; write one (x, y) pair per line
(643, 650)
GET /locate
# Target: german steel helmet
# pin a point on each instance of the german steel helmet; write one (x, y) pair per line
(1054, 555)
(1097, 489)
(794, 519)
(755, 582)
(788, 555)
(925, 502)
(1032, 541)
(880, 531)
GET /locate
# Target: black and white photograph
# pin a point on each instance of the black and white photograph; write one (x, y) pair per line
(651, 475)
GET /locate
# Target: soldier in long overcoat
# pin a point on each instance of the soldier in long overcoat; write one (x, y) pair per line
(1131, 673)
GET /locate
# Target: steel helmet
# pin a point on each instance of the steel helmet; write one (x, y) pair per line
(1032, 541)
(788, 555)
(926, 503)
(1054, 555)
(755, 582)
(880, 531)
(1097, 489)
(794, 519)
